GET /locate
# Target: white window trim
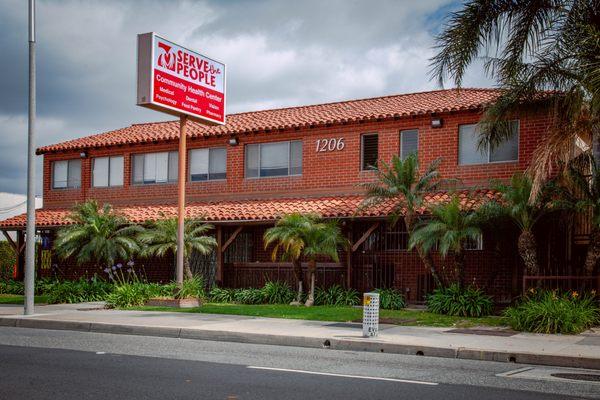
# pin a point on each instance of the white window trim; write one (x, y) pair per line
(108, 172)
(67, 187)
(489, 153)
(189, 161)
(132, 172)
(409, 130)
(275, 176)
(362, 150)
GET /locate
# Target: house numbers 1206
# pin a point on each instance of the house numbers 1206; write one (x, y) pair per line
(333, 144)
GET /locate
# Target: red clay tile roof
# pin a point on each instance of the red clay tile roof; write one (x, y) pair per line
(255, 210)
(294, 117)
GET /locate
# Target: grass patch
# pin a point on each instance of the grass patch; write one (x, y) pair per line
(334, 314)
(18, 299)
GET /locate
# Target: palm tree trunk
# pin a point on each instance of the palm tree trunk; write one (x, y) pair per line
(312, 267)
(426, 259)
(459, 268)
(593, 252)
(528, 251)
(297, 267)
(596, 143)
(186, 269)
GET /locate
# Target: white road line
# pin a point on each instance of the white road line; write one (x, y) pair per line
(373, 378)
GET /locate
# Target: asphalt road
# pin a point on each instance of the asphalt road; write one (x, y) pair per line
(44, 364)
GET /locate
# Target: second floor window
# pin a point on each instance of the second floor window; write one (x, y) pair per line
(409, 143)
(273, 159)
(469, 153)
(369, 152)
(107, 171)
(208, 164)
(66, 174)
(155, 167)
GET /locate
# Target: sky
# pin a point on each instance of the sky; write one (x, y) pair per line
(278, 53)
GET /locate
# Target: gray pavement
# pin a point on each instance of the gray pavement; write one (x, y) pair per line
(39, 364)
(558, 350)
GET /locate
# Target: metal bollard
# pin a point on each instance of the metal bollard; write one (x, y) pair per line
(370, 314)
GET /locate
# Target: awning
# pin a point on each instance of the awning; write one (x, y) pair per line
(256, 210)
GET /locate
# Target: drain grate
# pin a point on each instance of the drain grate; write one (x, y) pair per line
(578, 377)
(557, 374)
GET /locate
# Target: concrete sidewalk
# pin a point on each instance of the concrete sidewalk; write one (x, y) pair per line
(478, 344)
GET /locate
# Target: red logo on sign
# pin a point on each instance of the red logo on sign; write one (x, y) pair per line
(166, 59)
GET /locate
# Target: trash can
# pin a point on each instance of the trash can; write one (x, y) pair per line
(370, 314)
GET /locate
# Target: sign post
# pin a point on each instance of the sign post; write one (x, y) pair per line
(181, 82)
(181, 197)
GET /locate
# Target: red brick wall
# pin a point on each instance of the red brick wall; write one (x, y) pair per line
(335, 172)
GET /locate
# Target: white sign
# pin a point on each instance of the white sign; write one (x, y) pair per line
(176, 80)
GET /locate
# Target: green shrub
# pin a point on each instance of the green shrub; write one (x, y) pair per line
(43, 285)
(276, 292)
(249, 296)
(461, 302)
(78, 291)
(130, 295)
(162, 290)
(221, 295)
(391, 299)
(8, 259)
(336, 296)
(191, 288)
(12, 287)
(552, 312)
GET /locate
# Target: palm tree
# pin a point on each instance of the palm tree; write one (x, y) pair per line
(516, 204)
(288, 236)
(448, 229)
(550, 46)
(309, 236)
(401, 183)
(97, 235)
(160, 238)
(584, 194)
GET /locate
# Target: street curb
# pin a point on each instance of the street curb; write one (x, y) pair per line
(343, 344)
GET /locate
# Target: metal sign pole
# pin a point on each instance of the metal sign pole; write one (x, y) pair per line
(181, 198)
(30, 230)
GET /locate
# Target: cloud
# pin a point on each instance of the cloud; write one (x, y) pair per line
(278, 53)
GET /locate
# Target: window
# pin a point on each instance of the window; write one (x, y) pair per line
(468, 152)
(369, 151)
(208, 164)
(107, 171)
(396, 238)
(273, 159)
(66, 174)
(155, 167)
(409, 143)
(474, 244)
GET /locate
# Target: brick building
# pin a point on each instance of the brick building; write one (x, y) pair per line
(242, 176)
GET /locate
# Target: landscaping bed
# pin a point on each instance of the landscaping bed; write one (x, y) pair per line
(334, 314)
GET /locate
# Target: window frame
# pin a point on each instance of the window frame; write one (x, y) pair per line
(53, 184)
(362, 152)
(289, 149)
(132, 169)
(488, 152)
(208, 173)
(478, 244)
(409, 130)
(122, 156)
